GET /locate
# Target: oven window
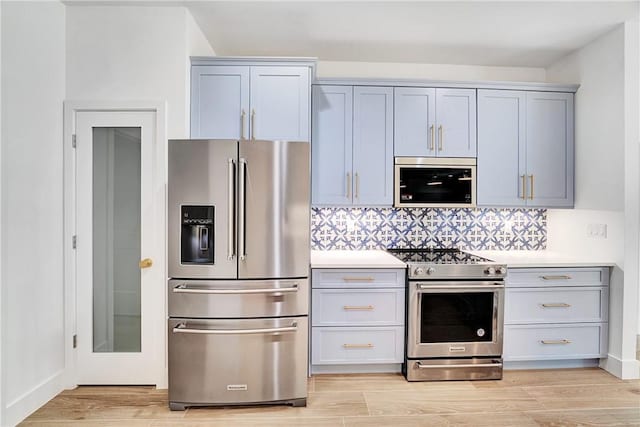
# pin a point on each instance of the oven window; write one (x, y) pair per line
(451, 317)
(435, 185)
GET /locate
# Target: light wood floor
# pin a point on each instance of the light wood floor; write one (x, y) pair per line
(568, 397)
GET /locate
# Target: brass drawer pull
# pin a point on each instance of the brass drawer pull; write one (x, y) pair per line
(560, 277)
(524, 187)
(555, 342)
(357, 345)
(358, 307)
(555, 304)
(358, 279)
(432, 145)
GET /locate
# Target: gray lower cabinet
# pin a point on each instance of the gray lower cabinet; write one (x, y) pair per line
(556, 313)
(357, 320)
(525, 149)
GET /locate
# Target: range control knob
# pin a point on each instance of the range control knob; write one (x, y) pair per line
(418, 271)
(502, 270)
(491, 271)
(430, 270)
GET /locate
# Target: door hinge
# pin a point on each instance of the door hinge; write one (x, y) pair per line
(74, 241)
(73, 140)
(75, 341)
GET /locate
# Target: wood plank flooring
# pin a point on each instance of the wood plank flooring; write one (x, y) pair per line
(567, 397)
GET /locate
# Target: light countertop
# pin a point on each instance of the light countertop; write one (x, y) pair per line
(513, 259)
(354, 259)
(523, 259)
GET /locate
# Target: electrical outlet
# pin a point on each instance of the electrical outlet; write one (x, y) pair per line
(597, 231)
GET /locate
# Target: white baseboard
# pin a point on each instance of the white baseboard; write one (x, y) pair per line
(28, 402)
(627, 369)
(550, 364)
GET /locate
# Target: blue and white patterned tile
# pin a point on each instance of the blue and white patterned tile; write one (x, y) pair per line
(472, 229)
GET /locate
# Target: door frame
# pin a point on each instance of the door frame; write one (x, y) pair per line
(71, 107)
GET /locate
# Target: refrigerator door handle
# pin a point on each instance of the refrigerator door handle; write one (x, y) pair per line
(184, 289)
(241, 208)
(231, 181)
(182, 328)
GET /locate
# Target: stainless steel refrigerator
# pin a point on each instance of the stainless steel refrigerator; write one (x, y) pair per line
(238, 227)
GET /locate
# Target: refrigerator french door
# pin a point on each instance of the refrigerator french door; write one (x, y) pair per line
(238, 266)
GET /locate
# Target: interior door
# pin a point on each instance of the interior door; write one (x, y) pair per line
(119, 248)
(273, 209)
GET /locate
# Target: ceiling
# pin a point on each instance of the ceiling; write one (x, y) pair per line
(520, 33)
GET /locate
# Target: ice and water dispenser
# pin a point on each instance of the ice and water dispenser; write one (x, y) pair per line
(197, 234)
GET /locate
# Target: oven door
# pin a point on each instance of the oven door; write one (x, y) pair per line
(455, 319)
(422, 182)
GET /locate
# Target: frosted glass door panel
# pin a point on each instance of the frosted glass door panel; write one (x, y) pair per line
(116, 239)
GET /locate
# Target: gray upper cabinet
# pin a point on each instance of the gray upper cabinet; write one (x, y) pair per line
(352, 148)
(332, 146)
(372, 145)
(250, 101)
(525, 148)
(434, 122)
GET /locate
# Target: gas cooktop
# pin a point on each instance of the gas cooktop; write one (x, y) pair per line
(447, 263)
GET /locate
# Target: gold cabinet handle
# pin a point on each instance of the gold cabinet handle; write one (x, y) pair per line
(348, 185)
(357, 345)
(243, 115)
(357, 186)
(358, 279)
(440, 138)
(145, 263)
(559, 277)
(358, 307)
(253, 124)
(555, 304)
(531, 194)
(433, 138)
(555, 341)
(524, 187)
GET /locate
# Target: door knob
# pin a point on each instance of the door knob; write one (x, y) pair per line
(145, 263)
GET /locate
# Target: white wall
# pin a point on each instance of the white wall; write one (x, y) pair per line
(133, 53)
(428, 71)
(606, 187)
(33, 89)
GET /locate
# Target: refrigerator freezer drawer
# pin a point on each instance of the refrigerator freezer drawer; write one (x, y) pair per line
(223, 362)
(238, 299)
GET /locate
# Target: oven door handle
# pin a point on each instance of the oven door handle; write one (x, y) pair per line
(484, 285)
(461, 365)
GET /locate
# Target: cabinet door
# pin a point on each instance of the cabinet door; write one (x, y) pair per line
(456, 122)
(501, 148)
(550, 149)
(372, 145)
(280, 103)
(414, 126)
(331, 149)
(219, 99)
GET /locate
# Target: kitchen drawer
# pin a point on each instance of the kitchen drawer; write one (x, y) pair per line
(358, 278)
(365, 345)
(528, 277)
(357, 307)
(238, 299)
(548, 342)
(556, 305)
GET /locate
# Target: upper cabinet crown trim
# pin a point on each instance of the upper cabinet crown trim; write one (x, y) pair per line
(530, 86)
(256, 60)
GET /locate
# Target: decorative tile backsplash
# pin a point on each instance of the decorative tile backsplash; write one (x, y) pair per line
(472, 229)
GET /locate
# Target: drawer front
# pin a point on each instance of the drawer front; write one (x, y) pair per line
(556, 305)
(237, 299)
(358, 278)
(351, 307)
(530, 277)
(237, 360)
(366, 345)
(548, 342)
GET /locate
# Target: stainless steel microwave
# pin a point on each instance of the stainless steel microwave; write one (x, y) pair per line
(434, 182)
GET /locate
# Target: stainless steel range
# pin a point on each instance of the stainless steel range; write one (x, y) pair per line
(455, 309)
